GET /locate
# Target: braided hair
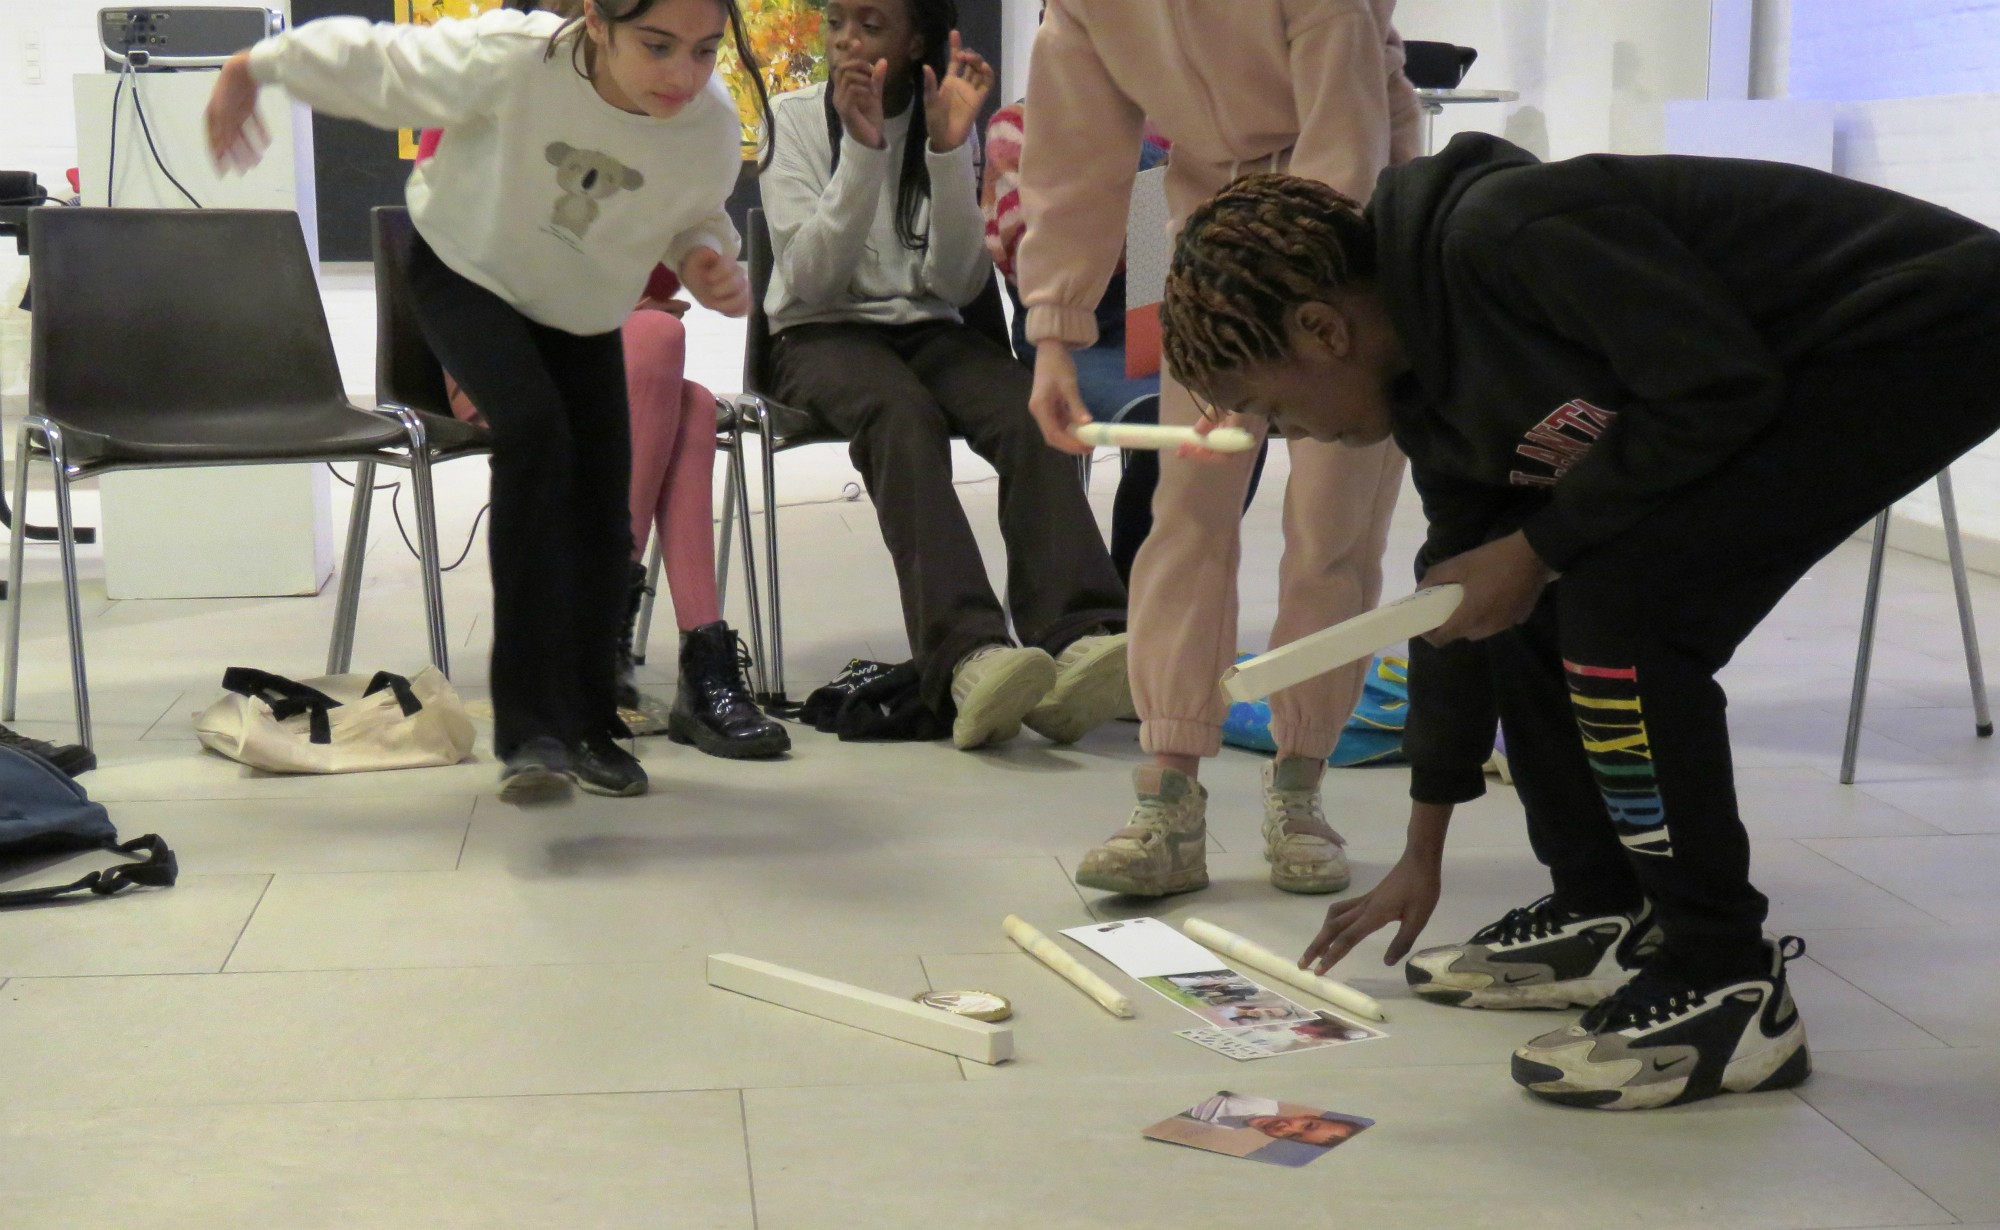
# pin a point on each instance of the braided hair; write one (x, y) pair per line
(933, 20)
(1263, 245)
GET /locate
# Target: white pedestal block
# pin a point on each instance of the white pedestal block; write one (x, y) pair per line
(228, 531)
(217, 532)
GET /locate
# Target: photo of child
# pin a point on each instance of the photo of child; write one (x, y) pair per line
(1227, 999)
(1261, 1129)
(1262, 1041)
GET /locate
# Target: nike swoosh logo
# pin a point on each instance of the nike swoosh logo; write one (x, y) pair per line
(1513, 978)
(1669, 1065)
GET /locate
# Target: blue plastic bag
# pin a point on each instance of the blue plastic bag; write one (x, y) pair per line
(1374, 735)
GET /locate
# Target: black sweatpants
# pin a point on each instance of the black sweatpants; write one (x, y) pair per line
(899, 393)
(1624, 648)
(560, 533)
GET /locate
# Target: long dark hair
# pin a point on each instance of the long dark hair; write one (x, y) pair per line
(934, 21)
(618, 12)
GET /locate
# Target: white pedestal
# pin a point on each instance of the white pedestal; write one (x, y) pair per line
(217, 532)
(227, 531)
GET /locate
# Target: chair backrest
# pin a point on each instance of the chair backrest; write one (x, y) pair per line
(984, 313)
(139, 311)
(406, 372)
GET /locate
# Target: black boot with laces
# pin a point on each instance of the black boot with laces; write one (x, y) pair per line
(713, 709)
(628, 673)
(1538, 956)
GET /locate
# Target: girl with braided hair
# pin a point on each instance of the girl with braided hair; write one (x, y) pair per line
(878, 243)
(1313, 85)
(1640, 398)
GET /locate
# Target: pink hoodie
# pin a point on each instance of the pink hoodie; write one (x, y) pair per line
(1314, 87)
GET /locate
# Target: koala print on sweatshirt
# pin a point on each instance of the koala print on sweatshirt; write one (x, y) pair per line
(586, 176)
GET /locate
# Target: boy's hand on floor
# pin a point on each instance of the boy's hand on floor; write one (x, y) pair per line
(1503, 581)
(716, 282)
(1407, 895)
(1056, 402)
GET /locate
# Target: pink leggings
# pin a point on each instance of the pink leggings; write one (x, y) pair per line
(673, 462)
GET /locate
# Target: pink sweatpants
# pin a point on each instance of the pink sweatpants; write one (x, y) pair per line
(1183, 601)
(673, 462)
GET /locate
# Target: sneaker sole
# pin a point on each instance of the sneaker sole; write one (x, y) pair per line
(630, 790)
(1093, 691)
(996, 707)
(1310, 884)
(689, 733)
(1750, 1074)
(537, 788)
(1529, 997)
(1167, 886)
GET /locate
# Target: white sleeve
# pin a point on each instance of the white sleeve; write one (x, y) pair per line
(397, 76)
(956, 264)
(819, 230)
(714, 231)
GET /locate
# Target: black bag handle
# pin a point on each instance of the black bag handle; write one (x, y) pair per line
(159, 869)
(400, 685)
(287, 697)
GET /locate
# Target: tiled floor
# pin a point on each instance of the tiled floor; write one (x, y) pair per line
(388, 1001)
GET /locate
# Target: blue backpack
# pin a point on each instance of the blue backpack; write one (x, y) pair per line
(43, 812)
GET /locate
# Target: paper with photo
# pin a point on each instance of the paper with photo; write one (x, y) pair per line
(1260, 1129)
(1282, 1038)
(1227, 999)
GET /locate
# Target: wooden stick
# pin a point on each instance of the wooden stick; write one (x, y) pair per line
(1151, 436)
(861, 1008)
(1331, 648)
(1043, 949)
(1270, 964)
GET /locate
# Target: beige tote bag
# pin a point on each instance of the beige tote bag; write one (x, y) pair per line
(338, 723)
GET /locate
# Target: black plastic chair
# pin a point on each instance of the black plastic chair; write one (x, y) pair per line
(167, 338)
(782, 427)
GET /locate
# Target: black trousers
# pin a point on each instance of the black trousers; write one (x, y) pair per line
(899, 393)
(560, 533)
(1624, 648)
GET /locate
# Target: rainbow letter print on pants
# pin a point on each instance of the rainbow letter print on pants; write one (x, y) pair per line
(1606, 700)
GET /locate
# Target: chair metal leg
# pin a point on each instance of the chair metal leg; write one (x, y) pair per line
(427, 541)
(347, 600)
(72, 601)
(723, 541)
(771, 590)
(656, 556)
(739, 481)
(1083, 470)
(1864, 656)
(16, 544)
(1982, 717)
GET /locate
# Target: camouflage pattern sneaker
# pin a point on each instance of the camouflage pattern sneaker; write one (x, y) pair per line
(1305, 854)
(1164, 849)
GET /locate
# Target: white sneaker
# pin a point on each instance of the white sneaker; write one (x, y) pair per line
(993, 689)
(1305, 854)
(1090, 689)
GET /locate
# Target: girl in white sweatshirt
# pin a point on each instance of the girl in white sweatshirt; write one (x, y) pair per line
(580, 154)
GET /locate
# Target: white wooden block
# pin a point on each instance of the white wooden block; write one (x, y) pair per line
(901, 1019)
(1331, 648)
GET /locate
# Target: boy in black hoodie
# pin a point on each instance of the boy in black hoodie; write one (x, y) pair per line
(1640, 398)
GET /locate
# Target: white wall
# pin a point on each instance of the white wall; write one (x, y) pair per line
(1592, 77)
(38, 125)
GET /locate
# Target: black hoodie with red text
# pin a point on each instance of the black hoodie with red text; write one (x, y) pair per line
(1588, 337)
